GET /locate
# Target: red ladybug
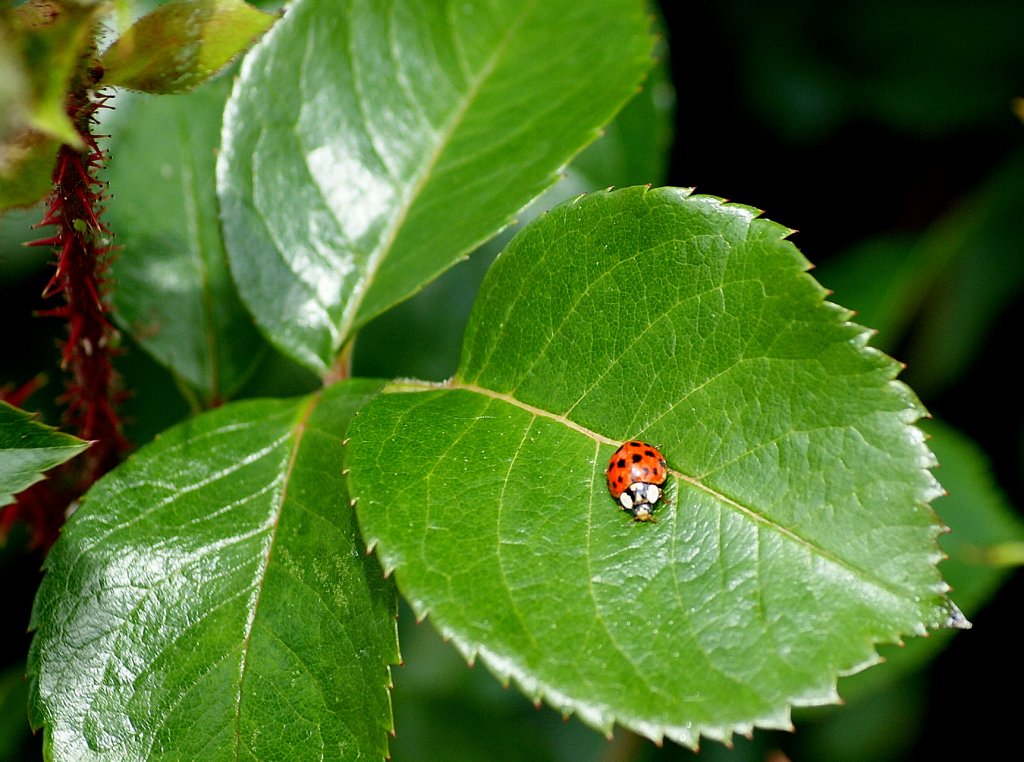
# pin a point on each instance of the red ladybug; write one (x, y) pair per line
(636, 473)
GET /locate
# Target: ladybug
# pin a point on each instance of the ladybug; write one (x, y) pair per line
(636, 473)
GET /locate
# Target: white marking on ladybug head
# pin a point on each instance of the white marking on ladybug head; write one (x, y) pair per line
(653, 493)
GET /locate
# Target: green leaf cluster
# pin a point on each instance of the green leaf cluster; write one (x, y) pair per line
(217, 596)
(42, 49)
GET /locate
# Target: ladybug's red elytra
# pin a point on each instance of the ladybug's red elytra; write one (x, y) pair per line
(636, 473)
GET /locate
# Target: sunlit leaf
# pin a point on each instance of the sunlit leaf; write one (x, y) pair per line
(797, 533)
(369, 147)
(211, 599)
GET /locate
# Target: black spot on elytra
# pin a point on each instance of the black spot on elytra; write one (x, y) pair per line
(637, 458)
(621, 463)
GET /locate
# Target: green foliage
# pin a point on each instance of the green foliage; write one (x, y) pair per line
(213, 597)
(646, 314)
(38, 56)
(214, 588)
(28, 449)
(409, 138)
(182, 43)
(175, 295)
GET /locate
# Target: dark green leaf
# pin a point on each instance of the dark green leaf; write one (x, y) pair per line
(798, 533)
(27, 449)
(354, 175)
(211, 599)
(14, 728)
(936, 295)
(174, 292)
(182, 43)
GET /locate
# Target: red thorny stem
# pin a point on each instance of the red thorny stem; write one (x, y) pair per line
(92, 393)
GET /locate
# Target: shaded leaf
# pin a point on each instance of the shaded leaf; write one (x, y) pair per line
(941, 285)
(175, 294)
(14, 729)
(214, 587)
(414, 133)
(798, 533)
(182, 43)
(39, 51)
(28, 449)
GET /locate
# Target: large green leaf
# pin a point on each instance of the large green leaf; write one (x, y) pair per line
(798, 533)
(369, 146)
(27, 449)
(174, 292)
(211, 599)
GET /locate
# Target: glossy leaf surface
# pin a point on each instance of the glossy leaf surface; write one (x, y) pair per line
(212, 588)
(175, 294)
(400, 136)
(29, 448)
(797, 533)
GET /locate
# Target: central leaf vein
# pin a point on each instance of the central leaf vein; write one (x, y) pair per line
(748, 511)
(261, 577)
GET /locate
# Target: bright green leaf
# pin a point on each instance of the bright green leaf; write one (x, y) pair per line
(797, 535)
(182, 43)
(174, 292)
(368, 147)
(27, 449)
(211, 599)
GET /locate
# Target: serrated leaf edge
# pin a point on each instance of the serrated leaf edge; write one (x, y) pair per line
(688, 734)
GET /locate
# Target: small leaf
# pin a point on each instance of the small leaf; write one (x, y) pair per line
(213, 587)
(39, 51)
(368, 146)
(28, 449)
(182, 43)
(52, 46)
(26, 168)
(175, 294)
(797, 535)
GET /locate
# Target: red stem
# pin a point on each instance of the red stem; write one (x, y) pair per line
(93, 389)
